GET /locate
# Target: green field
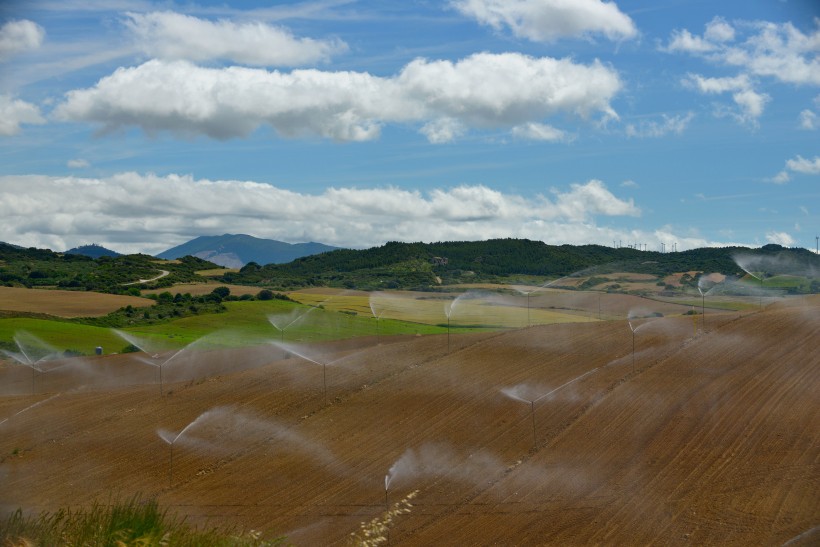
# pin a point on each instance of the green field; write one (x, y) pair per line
(320, 318)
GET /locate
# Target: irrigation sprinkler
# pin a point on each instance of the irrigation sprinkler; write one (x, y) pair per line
(171, 441)
(534, 437)
(386, 486)
(161, 365)
(290, 349)
(448, 333)
(633, 345)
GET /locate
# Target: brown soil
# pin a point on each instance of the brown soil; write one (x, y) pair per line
(66, 303)
(711, 439)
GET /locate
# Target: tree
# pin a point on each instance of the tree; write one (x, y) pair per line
(222, 292)
(265, 294)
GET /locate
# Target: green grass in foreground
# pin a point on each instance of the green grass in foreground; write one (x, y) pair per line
(122, 523)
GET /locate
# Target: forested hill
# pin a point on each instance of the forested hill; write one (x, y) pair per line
(409, 265)
(33, 267)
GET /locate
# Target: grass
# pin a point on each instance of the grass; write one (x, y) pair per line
(121, 523)
(61, 335)
(318, 318)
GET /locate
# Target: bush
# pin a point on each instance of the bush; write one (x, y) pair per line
(264, 294)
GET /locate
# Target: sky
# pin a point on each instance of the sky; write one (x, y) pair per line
(139, 125)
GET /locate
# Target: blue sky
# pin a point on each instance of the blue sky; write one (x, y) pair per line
(139, 125)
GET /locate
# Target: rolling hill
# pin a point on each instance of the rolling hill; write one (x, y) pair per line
(413, 265)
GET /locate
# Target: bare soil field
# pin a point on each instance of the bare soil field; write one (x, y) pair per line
(66, 303)
(557, 434)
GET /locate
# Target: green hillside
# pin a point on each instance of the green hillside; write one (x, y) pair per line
(44, 268)
(422, 265)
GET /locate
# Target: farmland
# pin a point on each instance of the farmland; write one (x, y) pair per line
(547, 434)
(65, 303)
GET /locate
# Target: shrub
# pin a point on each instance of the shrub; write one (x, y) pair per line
(130, 522)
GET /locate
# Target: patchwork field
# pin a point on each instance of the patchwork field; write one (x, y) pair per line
(555, 434)
(66, 303)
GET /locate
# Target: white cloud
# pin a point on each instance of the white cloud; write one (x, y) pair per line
(550, 20)
(808, 120)
(630, 184)
(78, 163)
(170, 35)
(540, 132)
(443, 130)
(14, 112)
(750, 104)
(802, 165)
(685, 41)
(775, 50)
(781, 178)
(717, 85)
(131, 212)
(798, 164)
(19, 36)
(780, 238)
(481, 91)
(654, 129)
(718, 30)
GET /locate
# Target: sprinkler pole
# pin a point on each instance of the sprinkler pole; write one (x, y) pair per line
(633, 351)
(324, 380)
(534, 439)
(171, 465)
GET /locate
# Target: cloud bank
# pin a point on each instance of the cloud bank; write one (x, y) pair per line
(131, 212)
(482, 91)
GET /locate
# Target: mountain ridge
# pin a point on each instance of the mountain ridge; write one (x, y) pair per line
(237, 250)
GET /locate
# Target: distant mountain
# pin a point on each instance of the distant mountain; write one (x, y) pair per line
(93, 250)
(236, 250)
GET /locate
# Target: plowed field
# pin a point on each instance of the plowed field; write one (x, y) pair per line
(555, 434)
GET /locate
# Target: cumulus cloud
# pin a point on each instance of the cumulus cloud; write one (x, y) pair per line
(19, 36)
(653, 129)
(14, 112)
(760, 50)
(717, 33)
(133, 212)
(802, 165)
(170, 35)
(798, 164)
(481, 91)
(749, 103)
(808, 117)
(550, 20)
(808, 120)
(776, 50)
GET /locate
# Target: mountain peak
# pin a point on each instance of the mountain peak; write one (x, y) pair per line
(236, 250)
